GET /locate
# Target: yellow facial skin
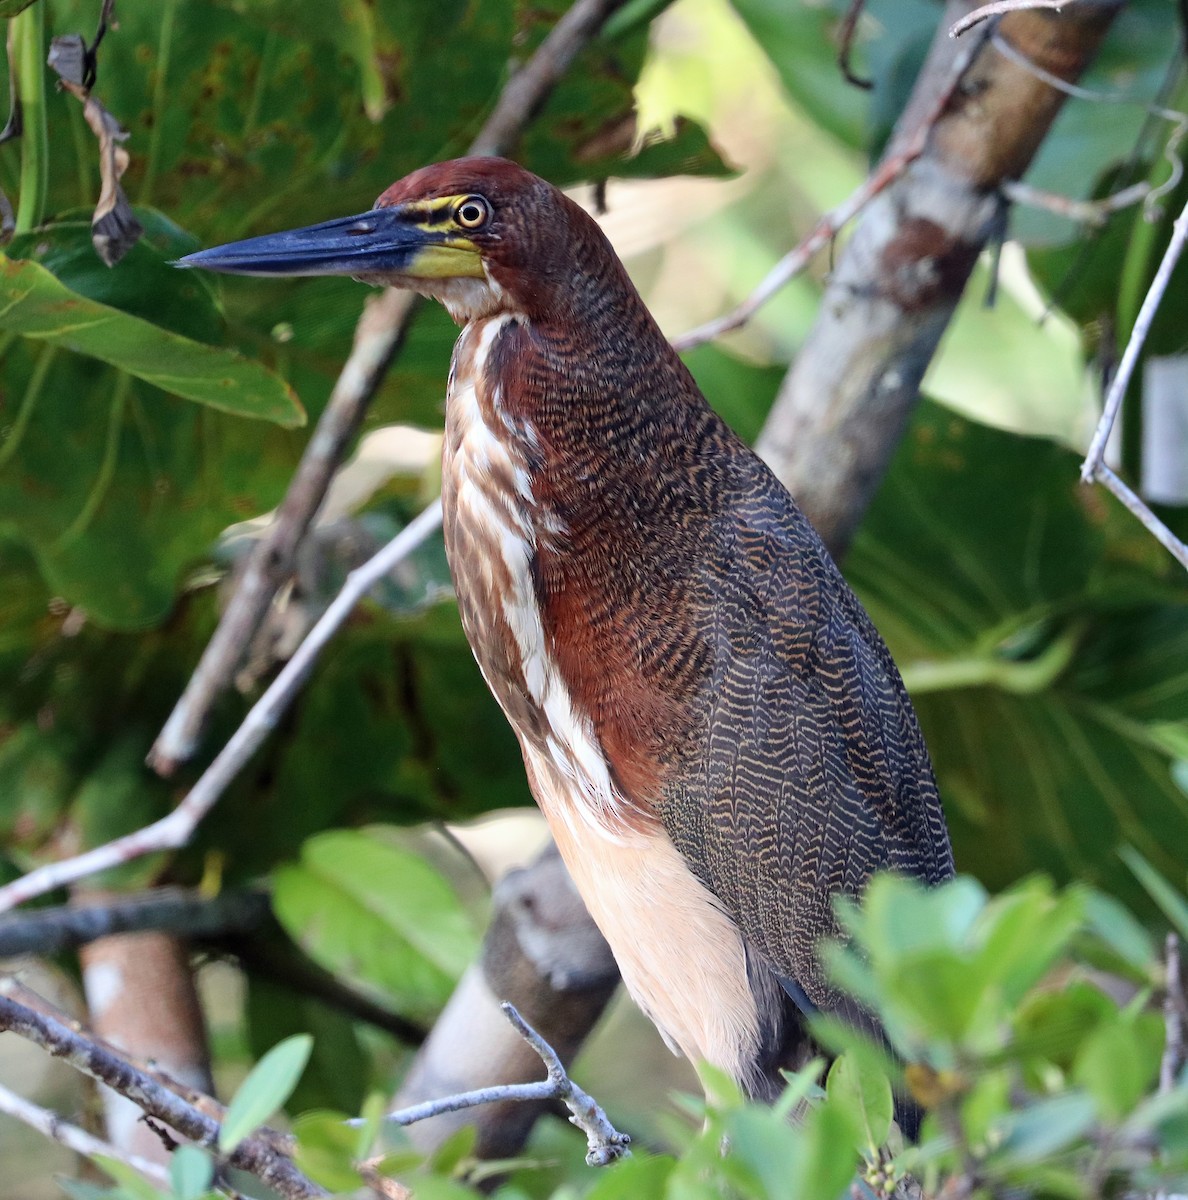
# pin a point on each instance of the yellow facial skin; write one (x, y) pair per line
(446, 260)
(454, 255)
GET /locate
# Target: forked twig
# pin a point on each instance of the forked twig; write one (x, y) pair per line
(604, 1143)
(1094, 469)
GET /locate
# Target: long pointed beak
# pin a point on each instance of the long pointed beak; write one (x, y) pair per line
(377, 242)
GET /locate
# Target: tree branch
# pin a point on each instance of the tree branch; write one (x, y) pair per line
(175, 830)
(541, 952)
(254, 1155)
(845, 402)
(1094, 469)
(378, 338)
(605, 1144)
(74, 1138)
(172, 910)
(1175, 1001)
(998, 8)
(826, 229)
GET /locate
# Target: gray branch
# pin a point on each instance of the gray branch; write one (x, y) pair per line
(172, 910)
(254, 1155)
(604, 1143)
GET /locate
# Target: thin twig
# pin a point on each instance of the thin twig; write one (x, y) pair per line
(791, 265)
(849, 29)
(74, 1138)
(378, 338)
(1086, 212)
(998, 8)
(528, 89)
(604, 1143)
(186, 914)
(1177, 119)
(1094, 463)
(175, 829)
(1152, 523)
(254, 1154)
(826, 229)
(1174, 1001)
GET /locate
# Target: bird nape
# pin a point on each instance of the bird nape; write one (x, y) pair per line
(713, 728)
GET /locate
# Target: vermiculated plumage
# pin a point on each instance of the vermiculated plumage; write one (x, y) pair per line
(711, 724)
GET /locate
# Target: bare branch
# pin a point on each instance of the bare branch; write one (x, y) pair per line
(541, 952)
(1138, 335)
(1094, 469)
(797, 259)
(176, 829)
(998, 8)
(1086, 212)
(378, 338)
(1138, 506)
(528, 89)
(74, 1138)
(1177, 119)
(605, 1144)
(187, 914)
(254, 1154)
(845, 401)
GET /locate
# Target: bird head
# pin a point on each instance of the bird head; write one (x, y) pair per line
(482, 235)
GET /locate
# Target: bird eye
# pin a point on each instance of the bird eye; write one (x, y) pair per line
(473, 213)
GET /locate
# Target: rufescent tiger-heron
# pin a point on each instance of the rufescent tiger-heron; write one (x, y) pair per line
(713, 728)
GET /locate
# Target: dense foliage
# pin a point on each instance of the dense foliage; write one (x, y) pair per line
(145, 411)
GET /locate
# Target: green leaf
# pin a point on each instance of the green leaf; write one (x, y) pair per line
(10, 8)
(145, 284)
(1053, 1025)
(132, 1183)
(1119, 1062)
(268, 1085)
(1043, 1129)
(191, 1170)
(326, 1150)
(378, 913)
(1118, 928)
(864, 1095)
(1045, 644)
(636, 1178)
(336, 1075)
(34, 304)
(770, 1149)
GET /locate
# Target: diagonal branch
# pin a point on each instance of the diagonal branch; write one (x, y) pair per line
(74, 1138)
(254, 1154)
(378, 338)
(175, 830)
(844, 404)
(1094, 469)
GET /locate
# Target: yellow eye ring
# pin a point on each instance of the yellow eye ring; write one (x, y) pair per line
(473, 212)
